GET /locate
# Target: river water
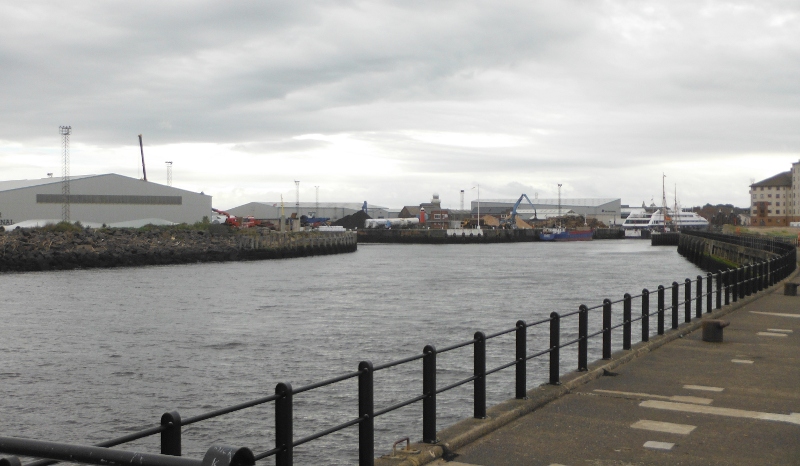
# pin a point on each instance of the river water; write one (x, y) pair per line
(89, 355)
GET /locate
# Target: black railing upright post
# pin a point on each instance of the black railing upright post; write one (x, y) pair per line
(699, 305)
(727, 282)
(606, 328)
(719, 289)
(171, 435)
(645, 315)
(660, 309)
(675, 309)
(555, 344)
(522, 360)
(583, 343)
(687, 300)
(761, 275)
(745, 289)
(709, 294)
(735, 286)
(366, 406)
(429, 390)
(479, 371)
(626, 319)
(284, 425)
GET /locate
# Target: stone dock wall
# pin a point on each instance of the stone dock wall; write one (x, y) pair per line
(25, 250)
(713, 255)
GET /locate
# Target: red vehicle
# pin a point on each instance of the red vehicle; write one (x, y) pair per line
(238, 222)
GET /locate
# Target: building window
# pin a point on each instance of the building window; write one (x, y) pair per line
(778, 211)
(778, 204)
(778, 195)
(762, 196)
(769, 195)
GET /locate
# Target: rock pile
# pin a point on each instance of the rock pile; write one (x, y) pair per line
(29, 250)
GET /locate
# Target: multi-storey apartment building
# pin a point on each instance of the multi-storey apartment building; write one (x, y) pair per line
(775, 201)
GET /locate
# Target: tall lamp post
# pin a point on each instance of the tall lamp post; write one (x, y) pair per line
(479, 204)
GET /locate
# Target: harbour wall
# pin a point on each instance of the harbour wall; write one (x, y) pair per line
(26, 250)
(713, 254)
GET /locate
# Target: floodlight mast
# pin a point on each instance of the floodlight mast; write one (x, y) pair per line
(65, 131)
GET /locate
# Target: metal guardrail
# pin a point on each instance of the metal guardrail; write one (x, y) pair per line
(725, 286)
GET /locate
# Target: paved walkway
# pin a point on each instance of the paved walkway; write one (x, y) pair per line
(687, 403)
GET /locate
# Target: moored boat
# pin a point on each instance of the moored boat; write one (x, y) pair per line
(561, 234)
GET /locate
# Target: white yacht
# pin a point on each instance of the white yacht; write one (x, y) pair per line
(677, 219)
(638, 220)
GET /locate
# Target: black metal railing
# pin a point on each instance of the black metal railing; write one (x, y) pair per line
(733, 284)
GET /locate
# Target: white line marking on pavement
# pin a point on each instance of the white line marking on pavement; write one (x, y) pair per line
(770, 334)
(793, 418)
(702, 387)
(685, 399)
(779, 314)
(742, 361)
(668, 427)
(784, 330)
(659, 445)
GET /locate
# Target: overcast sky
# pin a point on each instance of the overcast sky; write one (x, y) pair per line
(390, 102)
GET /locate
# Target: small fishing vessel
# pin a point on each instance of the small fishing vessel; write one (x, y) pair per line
(562, 234)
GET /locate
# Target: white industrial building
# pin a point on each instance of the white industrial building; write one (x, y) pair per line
(605, 210)
(331, 210)
(98, 199)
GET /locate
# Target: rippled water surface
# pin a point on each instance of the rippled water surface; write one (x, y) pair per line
(90, 355)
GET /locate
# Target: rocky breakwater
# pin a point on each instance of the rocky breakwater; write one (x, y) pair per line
(49, 249)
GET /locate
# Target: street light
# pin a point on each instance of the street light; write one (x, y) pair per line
(479, 205)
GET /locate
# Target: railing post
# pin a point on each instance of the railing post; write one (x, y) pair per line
(709, 294)
(675, 309)
(687, 300)
(699, 305)
(606, 329)
(284, 425)
(429, 390)
(735, 292)
(522, 359)
(366, 406)
(171, 435)
(479, 371)
(555, 343)
(719, 289)
(583, 343)
(745, 289)
(645, 315)
(660, 309)
(626, 319)
(727, 278)
(761, 276)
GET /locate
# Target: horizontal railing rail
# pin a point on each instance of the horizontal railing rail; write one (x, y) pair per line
(711, 291)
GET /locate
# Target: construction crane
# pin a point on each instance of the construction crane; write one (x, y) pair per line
(512, 221)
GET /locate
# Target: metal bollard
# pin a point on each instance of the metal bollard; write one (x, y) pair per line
(709, 294)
